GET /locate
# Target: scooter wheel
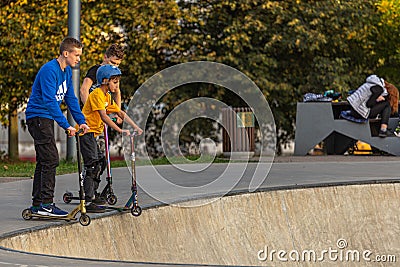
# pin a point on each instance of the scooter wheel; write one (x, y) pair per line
(112, 199)
(27, 214)
(84, 220)
(67, 197)
(136, 211)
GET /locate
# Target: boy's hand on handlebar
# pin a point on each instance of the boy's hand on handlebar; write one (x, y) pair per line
(125, 132)
(139, 131)
(84, 127)
(70, 131)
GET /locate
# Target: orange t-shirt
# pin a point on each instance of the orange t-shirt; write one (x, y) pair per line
(98, 100)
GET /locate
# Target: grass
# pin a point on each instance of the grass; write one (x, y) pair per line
(27, 169)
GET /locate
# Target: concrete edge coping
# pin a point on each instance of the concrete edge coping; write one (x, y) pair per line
(159, 204)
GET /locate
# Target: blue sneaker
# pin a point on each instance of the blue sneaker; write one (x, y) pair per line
(51, 210)
(34, 209)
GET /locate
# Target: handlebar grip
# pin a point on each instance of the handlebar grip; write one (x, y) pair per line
(77, 132)
(133, 133)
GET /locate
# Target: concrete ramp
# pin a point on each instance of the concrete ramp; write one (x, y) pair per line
(351, 225)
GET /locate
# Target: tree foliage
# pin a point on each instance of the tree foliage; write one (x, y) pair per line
(290, 47)
(30, 35)
(387, 45)
(287, 48)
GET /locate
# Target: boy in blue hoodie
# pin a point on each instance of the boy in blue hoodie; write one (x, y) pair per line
(52, 85)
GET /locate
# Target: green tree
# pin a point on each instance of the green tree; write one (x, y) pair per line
(31, 33)
(387, 46)
(146, 30)
(288, 47)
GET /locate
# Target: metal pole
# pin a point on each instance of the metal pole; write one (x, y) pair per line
(74, 23)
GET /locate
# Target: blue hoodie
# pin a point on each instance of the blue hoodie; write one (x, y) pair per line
(50, 88)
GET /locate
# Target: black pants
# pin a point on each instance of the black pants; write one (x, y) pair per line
(94, 161)
(382, 108)
(47, 160)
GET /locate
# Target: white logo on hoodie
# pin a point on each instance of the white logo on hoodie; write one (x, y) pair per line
(62, 90)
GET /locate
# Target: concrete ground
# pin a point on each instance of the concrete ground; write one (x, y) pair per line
(287, 175)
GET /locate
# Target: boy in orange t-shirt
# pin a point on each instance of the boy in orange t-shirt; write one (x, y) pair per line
(96, 109)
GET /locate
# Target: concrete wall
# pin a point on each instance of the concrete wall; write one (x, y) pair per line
(243, 230)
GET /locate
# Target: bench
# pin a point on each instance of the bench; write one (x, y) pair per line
(319, 121)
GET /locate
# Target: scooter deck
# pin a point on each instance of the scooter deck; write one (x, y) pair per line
(68, 196)
(131, 206)
(84, 219)
(121, 208)
(48, 217)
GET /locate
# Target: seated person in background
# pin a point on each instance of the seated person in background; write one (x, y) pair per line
(370, 100)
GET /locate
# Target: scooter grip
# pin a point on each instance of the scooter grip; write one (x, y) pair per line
(68, 132)
(133, 133)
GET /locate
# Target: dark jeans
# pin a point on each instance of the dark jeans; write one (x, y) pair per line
(93, 160)
(382, 108)
(44, 179)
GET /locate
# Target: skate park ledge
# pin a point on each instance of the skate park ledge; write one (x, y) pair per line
(331, 224)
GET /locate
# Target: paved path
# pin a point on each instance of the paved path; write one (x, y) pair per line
(289, 172)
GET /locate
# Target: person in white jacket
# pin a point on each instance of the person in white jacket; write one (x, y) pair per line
(370, 100)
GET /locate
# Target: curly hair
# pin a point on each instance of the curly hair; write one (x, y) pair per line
(115, 50)
(393, 97)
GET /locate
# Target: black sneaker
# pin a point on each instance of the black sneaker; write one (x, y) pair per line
(93, 208)
(383, 134)
(98, 200)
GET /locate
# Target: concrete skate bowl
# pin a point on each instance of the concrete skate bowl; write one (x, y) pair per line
(337, 225)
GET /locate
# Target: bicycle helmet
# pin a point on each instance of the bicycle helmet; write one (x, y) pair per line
(106, 72)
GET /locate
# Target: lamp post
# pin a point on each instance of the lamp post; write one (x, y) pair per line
(74, 23)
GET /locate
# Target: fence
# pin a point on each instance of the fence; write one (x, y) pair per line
(238, 131)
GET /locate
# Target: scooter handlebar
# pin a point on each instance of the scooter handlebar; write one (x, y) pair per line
(133, 133)
(68, 132)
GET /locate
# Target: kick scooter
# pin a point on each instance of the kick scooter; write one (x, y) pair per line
(136, 210)
(107, 193)
(84, 219)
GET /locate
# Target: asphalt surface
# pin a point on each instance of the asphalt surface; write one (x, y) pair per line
(197, 181)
